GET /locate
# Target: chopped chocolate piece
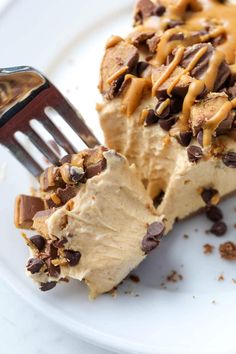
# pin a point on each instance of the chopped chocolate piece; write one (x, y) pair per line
(177, 37)
(207, 248)
(174, 277)
(66, 194)
(174, 23)
(51, 252)
(25, 209)
(184, 138)
(141, 37)
(47, 286)
(96, 168)
(34, 265)
(151, 118)
(229, 159)
(51, 178)
(145, 9)
(208, 194)
(179, 90)
(194, 153)
(66, 159)
(200, 138)
(134, 278)
(153, 42)
(117, 61)
(219, 228)
(73, 257)
(39, 241)
(214, 213)
(140, 67)
(228, 250)
(60, 243)
(167, 123)
(153, 236)
(205, 109)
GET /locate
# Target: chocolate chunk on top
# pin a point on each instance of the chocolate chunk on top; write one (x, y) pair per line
(25, 209)
(153, 236)
(34, 265)
(39, 241)
(194, 153)
(117, 61)
(184, 138)
(147, 8)
(96, 168)
(210, 195)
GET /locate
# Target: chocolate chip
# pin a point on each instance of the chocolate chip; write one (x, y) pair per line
(207, 195)
(214, 213)
(219, 228)
(153, 236)
(176, 104)
(200, 138)
(153, 42)
(38, 241)
(229, 159)
(151, 118)
(141, 37)
(73, 257)
(66, 194)
(34, 265)
(47, 286)
(76, 174)
(194, 153)
(184, 138)
(51, 252)
(96, 168)
(167, 123)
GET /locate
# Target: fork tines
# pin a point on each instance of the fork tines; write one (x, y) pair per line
(29, 93)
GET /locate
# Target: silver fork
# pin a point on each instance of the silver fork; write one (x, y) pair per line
(24, 95)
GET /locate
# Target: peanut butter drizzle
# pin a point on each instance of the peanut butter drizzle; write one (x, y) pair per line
(190, 67)
(212, 124)
(169, 70)
(163, 106)
(195, 88)
(117, 74)
(114, 40)
(134, 93)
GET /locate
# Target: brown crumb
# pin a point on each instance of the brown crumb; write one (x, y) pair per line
(134, 278)
(221, 277)
(174, 277)
(207, 248)
(228, 250)
(186, 236)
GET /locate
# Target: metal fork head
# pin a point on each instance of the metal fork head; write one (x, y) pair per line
(24, 95)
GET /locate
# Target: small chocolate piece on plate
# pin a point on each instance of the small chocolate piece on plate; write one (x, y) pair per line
(208, 194)
(47, 286)
(39, 241)
(25, 209)
(228, 250)
(153, 236)
(214, 213)
(96, 168)
(72, 257)
(219, 228)
(194, 153)
(34, 265)
(229, 159)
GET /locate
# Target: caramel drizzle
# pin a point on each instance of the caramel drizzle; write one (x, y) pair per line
(117, 74)
(162, 107)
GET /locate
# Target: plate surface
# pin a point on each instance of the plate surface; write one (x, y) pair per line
(195, 315)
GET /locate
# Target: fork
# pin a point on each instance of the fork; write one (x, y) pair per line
(25, 93)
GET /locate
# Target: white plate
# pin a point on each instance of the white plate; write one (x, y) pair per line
(195, 315)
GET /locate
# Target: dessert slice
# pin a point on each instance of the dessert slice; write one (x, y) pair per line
(169, 101)
(98, 223)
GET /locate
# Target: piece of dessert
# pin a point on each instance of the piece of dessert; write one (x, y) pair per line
(169, 93)
(94, 221)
